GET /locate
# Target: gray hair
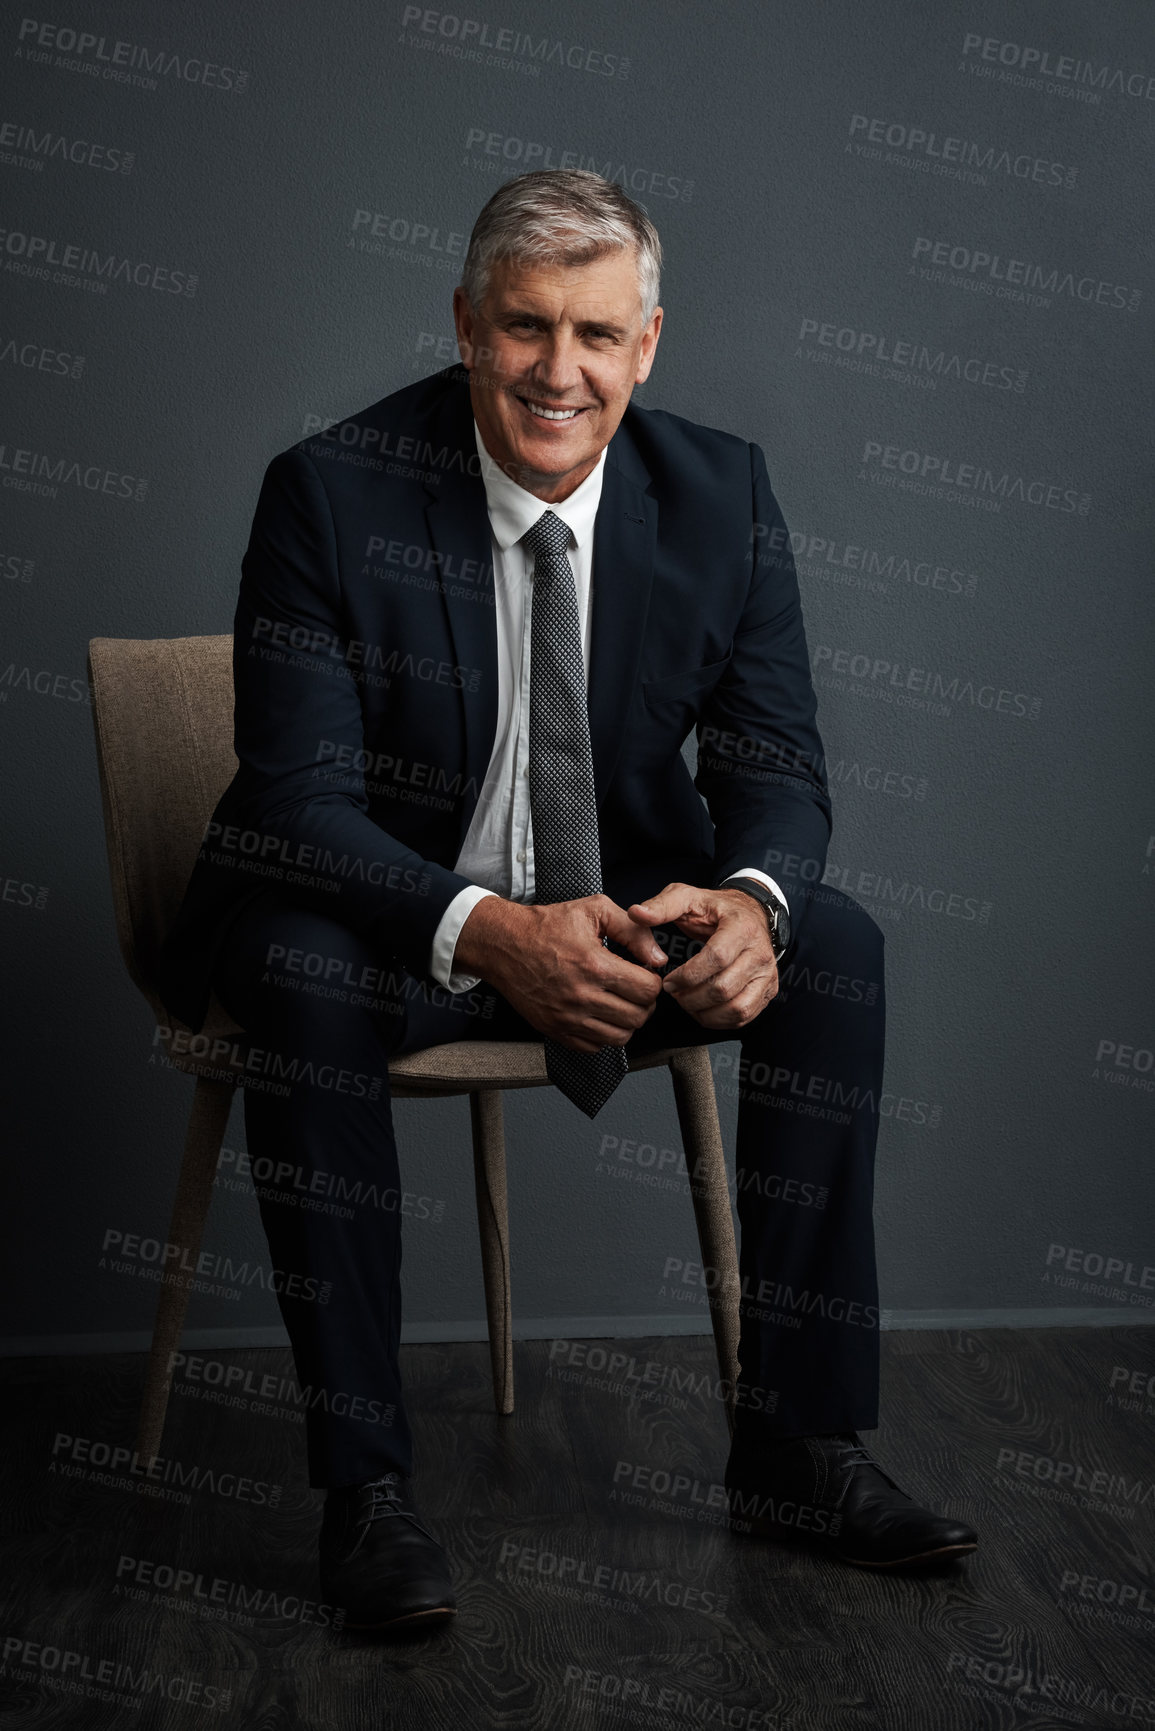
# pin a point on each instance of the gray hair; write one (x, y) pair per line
(564, 216)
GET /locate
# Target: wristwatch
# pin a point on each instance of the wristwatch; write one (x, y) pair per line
(777, 913)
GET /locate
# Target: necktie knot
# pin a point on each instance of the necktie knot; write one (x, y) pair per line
(549, 535)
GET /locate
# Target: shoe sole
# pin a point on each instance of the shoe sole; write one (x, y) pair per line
(906, 1562)
(410, 1619)
(791, 1540)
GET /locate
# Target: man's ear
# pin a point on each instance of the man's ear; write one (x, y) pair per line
(649, 345)
(464, 322)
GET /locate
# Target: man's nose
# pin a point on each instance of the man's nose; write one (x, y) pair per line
(558, 366)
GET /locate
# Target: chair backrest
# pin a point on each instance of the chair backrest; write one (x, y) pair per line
(163, 713)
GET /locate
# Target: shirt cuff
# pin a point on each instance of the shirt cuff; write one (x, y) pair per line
(759, 876)
(445, 940)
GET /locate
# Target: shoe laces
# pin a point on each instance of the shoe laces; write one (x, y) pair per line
(852, 1452)
(855, 1454)
(382, 1497)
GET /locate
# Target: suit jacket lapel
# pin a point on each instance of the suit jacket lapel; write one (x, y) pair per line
(625, 538)
(458, 524)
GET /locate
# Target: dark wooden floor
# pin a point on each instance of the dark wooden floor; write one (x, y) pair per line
(769, 1637)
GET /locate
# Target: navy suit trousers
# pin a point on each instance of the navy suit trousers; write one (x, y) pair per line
(322, 1147)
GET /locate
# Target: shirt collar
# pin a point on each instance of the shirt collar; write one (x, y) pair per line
(513, 511)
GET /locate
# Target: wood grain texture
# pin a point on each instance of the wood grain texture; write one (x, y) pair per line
(685, 1625)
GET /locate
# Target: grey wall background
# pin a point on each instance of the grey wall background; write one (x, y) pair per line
(1005, 842)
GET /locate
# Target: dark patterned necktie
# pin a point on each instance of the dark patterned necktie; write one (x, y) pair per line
(566, 856)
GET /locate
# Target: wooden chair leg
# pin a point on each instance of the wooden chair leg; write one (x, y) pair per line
(702, 1141)
(202, 1147)
(485, 1110)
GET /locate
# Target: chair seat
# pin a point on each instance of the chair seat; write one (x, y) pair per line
(466, 1066)
(458, 1067)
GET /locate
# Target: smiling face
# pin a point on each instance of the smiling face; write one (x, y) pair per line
(553, 354)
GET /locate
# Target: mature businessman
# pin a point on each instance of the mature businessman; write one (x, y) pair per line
(476, 623)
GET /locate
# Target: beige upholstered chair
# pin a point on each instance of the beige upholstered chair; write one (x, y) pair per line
(163, 712)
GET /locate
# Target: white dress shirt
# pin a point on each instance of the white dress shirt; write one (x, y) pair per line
(497, 852)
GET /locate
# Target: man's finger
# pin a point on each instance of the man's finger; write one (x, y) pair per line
(738, 1011)
(625, 980)
(675, 902)
(621, 1008)
(590, 1035)
(720, 988)
(720, 951)
(617, 924)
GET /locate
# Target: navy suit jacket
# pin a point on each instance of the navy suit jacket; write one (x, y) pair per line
(365, 671)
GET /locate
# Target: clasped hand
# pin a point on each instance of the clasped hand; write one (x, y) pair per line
(551, 964)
